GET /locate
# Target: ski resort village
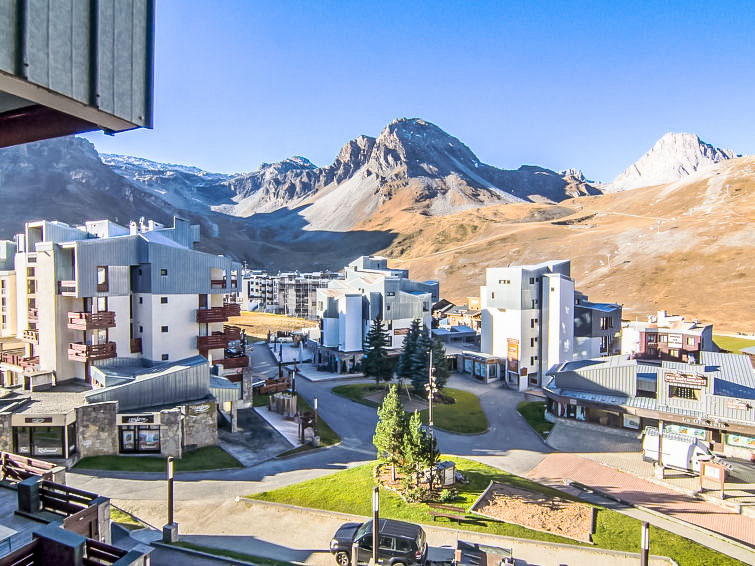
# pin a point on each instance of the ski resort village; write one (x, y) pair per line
(407, 355)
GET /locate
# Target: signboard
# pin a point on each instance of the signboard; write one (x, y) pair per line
(137, 419)
(631, 421)
(737, 404)
(38, 420)
(513, 354)
(739, 440)
(688, 430)
(689, 379)
(195, 410)
(674, 339)
(468, 365)
(400, 331)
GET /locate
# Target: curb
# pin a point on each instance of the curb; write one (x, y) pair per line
(224, 558)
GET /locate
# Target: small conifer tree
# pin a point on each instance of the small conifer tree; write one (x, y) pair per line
(390, 430)
(376, 363)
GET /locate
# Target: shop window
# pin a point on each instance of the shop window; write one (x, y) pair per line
(39, 441)
(680, 392)
(133, 438)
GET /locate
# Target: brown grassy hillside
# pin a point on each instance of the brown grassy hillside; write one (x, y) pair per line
(688, 247)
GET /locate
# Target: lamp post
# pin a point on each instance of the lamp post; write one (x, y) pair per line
(375, 523)
(644, 545)
(316, 415)
(431, 390)
(170, 530)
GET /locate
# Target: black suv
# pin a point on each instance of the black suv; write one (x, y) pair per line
(399, 543)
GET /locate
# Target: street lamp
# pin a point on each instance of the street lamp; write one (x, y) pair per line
(316, 415)
(644, 545)
(431, 391)
(375, 523)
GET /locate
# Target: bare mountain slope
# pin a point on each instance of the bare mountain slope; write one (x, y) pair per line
(673, 157)
(685, 246)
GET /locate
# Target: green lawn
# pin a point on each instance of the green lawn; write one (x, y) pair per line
(532, 411)
(328, 436)
(732, 343)
(232, 554)
(464, 416)
(124, 519)
(207, 458)
(349, 491)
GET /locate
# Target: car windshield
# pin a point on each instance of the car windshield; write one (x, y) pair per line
(365, 527)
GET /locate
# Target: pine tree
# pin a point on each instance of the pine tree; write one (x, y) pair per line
(420, 361)
(376, 363)
(413, 446)
(390, 430)
(440, 364)
(403, 368)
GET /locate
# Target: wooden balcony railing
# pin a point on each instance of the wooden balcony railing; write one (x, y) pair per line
(80, 352)
(232, 332)
(221, 283)
(101, 554)
(31, 335)
(67, 288)
(212, 342)
(31, 363)
(233, 363)
(215, 314)
(33, 314)
(136, 345)
(232, 309)
(91, 321)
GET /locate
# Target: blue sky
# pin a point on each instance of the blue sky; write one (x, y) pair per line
(590, 85)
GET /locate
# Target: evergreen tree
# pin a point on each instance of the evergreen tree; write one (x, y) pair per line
(440, 364)
(390, 430)
(420, 450)
(376, 363)
(404, 366)
(420, 361)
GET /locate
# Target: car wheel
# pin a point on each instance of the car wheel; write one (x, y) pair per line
(342, 559)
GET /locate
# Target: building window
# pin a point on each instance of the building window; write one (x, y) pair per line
(39, 440)
(606, 322)
(663, 338)
(533, 341)
(141, 329)
(604, 344)
(390, 294)
(690, 341)
(164, 272)
(504, 282)
(164, 357)
(680, 392)
(533, 359)
(163, 329)
(163, 300)
(141, 300)
(533, 322)
(673, 353)
(102, 284)
(492, 295)
(139, 438)
(387, 307)
(652, 338)
(534, 303)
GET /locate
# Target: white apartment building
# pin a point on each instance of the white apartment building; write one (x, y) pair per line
(370, 289)
(7, 289)
(527, 318)
(103, 295)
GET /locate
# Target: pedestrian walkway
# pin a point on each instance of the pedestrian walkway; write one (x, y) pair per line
(556, 468)
(289, 429)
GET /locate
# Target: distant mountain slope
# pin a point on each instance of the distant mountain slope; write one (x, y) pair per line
(673, 157)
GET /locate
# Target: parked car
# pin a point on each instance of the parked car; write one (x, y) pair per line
(400, 543)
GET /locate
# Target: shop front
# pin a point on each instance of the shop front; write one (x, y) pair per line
(139, 433)
(44, 436)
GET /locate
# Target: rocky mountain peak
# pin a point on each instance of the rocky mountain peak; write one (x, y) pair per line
(674, 156)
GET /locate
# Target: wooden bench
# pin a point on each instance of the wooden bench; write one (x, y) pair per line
(450, 512)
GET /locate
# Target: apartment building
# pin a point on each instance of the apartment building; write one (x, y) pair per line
(532, 319)
(712, 399)
(101, 291)
(292, 293)
(7, 289)
(667, 337)
(370, 289)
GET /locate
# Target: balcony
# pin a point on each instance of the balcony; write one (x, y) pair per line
(67, 288)
(20, 361)
(232, 309)
(80, 352)
(232, 332)
(136, 345)
(221, 283)
(212, 342)
(33, 315)
(91, 320)
(31, 335)
(215, 314)
(233, 363)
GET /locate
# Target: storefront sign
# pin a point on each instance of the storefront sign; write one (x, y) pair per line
(687, 430)
(513, 354)
(137, 419)
(674, 339)
(38, 420)
(199, 409)
(400, 331)
(679, 378)
(739, 440)
(631, 421)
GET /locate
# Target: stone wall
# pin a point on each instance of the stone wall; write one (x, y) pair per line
(170, 433)
(96, 429)
(200, 425)
(6, 433)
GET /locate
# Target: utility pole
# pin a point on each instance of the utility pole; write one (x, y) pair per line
(431, 390)
(375, 524)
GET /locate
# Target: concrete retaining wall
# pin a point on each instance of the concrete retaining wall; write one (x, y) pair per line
(96, 432)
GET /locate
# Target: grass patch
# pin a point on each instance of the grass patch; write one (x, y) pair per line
(260, 561)
(733, 344)
(125, 520)
(349, 491)
(464, 416)
(328, 436)
(533, 411)
(207, 458)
